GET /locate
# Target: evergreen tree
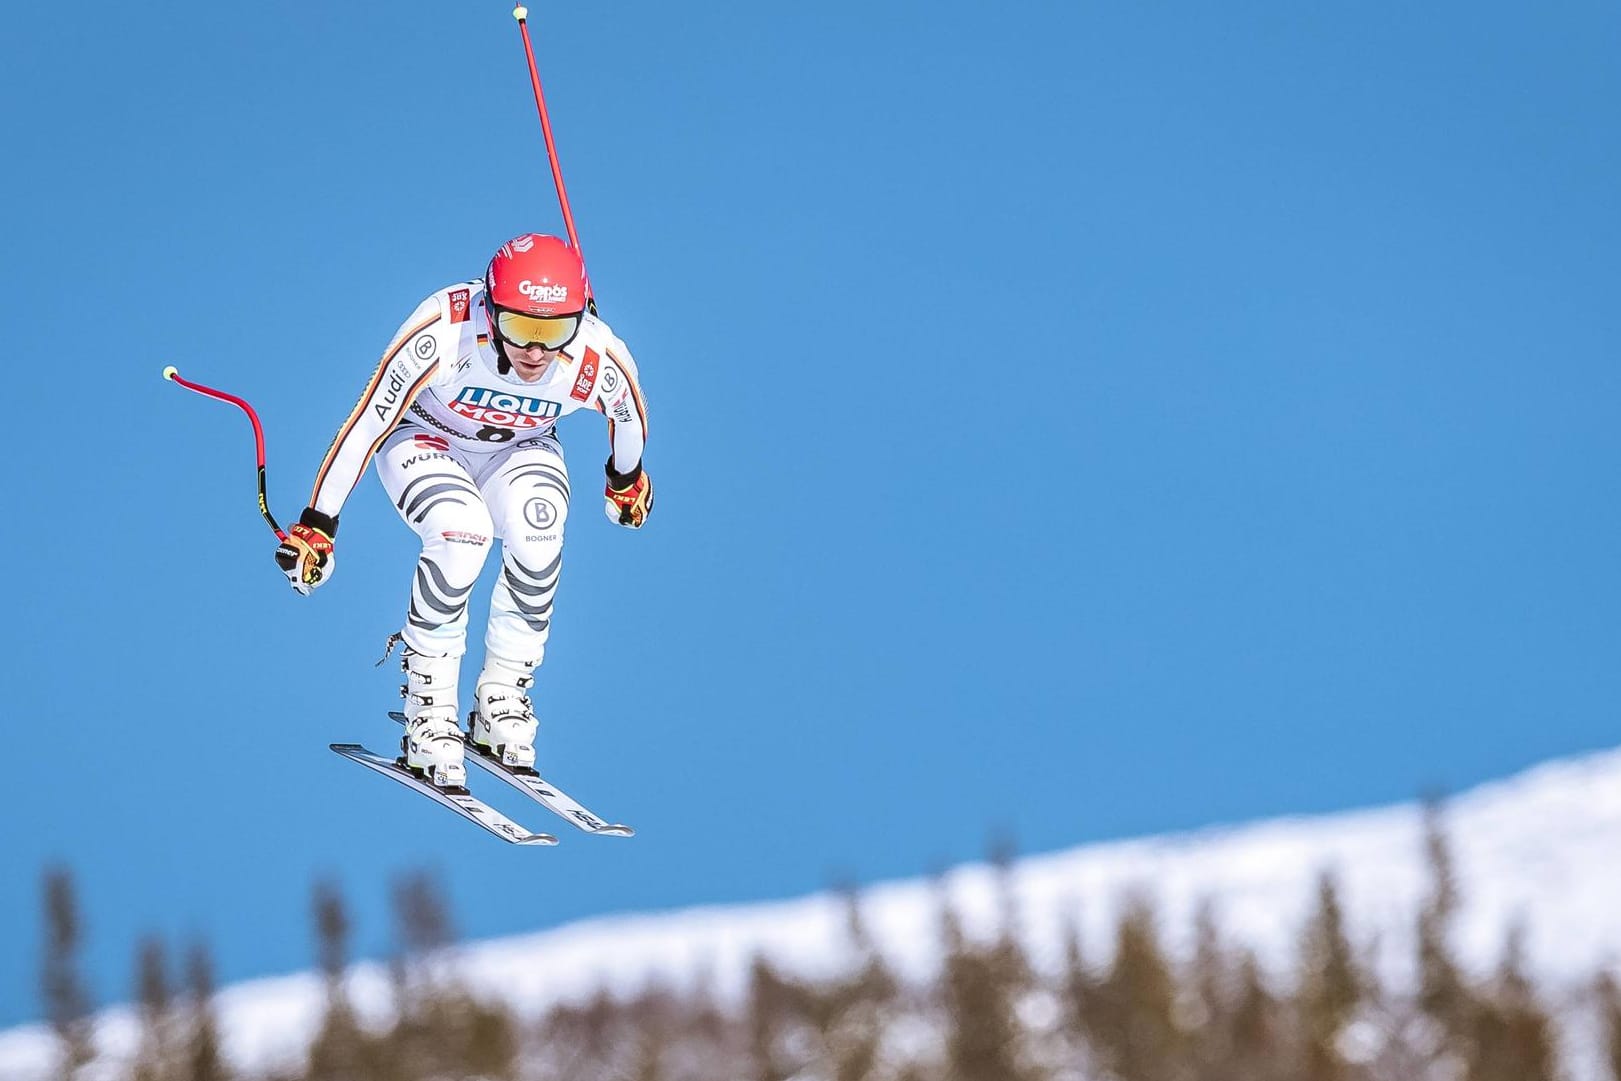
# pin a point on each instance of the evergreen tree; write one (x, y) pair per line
(1258, 1039)
(1513, 1035)
(1077, 986)
(1208, 1003)
(1444, 995)
(979, 990)
(1609, 1009)
(772, 1006)
(202, 1058)
(853, 1011)
(67, 1002)
(1331, 986)
(339, 1051)
(441, 1028)
(1131, 1018)
(154, 1060)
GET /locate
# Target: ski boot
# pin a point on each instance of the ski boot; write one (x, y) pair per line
(433, 740)
(504, 723)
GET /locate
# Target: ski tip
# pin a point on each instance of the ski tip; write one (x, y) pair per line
(614, 830)
(170, 372)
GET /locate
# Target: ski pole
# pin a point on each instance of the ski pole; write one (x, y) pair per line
(173, 375)
(521, 13)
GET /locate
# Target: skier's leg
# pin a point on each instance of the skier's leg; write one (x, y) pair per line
(434, 492)
(527, 492)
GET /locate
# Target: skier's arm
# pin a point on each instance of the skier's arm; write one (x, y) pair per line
(629, 493)
(619, 397)
(408, 365)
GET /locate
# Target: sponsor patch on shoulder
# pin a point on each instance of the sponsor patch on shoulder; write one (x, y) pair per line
(587, 377)
(459, 299)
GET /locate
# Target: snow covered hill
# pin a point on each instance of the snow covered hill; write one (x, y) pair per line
(1539, 848)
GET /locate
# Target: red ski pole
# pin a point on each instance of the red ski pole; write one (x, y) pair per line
(171, 374)
(521, 13)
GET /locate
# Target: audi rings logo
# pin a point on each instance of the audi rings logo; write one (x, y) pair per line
(539, 513)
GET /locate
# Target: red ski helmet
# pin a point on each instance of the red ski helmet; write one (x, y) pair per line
(535, 291)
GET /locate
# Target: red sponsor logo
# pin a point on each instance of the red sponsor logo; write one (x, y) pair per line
(458, 305)
(587, 378)
(458, 537)
(431, 442)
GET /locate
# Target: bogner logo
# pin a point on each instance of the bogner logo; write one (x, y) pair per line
(504, 410)
(543, 294)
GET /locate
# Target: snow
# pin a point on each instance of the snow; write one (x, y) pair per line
(1537, 849)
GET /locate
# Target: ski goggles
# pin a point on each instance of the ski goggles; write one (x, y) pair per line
(536, 331)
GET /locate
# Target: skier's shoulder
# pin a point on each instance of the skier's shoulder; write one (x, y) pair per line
(452, 306)
(434, 327)
(596, 333)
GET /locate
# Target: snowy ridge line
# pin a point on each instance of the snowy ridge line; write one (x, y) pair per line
(1537, 848)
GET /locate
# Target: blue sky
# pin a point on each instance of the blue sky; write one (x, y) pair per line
(1074, 420)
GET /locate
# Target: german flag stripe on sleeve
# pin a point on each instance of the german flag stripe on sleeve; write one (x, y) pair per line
(635, 390)
(365, 403)
(405, 401)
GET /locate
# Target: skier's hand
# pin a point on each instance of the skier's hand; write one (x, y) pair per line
(629, 496)
(306, 555)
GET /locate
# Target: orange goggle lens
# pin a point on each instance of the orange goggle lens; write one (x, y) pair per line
(528, 331)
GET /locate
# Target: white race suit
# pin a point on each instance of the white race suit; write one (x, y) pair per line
(468, 455)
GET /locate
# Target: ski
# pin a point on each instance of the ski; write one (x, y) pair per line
(459, 800)
(542, 791)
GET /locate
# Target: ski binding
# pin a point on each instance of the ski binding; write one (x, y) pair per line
(456, 799)
(537, 788)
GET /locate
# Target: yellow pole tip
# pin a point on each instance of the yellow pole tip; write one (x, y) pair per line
(520, 13)
(170, 372)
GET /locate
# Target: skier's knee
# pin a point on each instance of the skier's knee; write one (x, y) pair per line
(469, 528)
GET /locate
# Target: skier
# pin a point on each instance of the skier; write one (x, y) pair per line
(460, 416)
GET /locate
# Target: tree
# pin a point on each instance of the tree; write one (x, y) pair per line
(1444, 995)
(979, 989)
(339, 1050)
(852, 1011)
(155, 1057)
(1131, 1017)
(1077, 985)
(67, 1002)
(773, 1004)
(1257, 1037)
(1513, 1035)
(1609, 1008)
(1331, 986)
(1210, 999)
(202, 1058)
